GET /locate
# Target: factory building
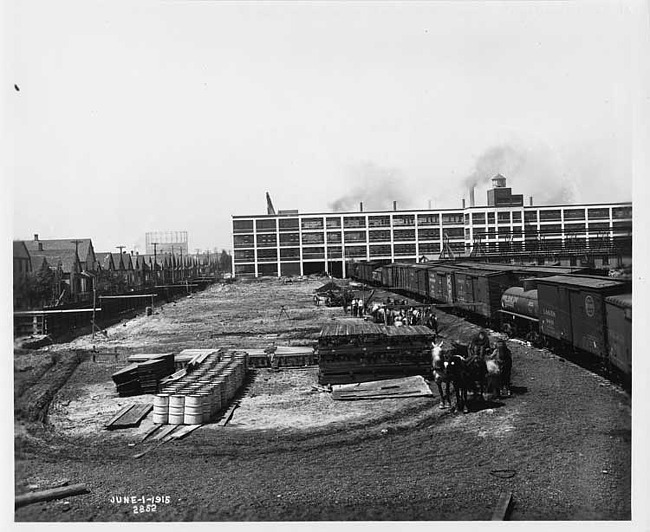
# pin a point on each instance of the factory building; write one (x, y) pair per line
(289, 243)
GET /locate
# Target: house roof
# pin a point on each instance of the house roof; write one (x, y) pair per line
(105, 260)
(65, 258)
(84, 245)
(20, 250)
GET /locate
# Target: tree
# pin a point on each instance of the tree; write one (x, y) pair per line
(225, 262)
(40, 287)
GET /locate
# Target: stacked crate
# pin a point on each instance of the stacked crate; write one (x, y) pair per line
(362, 352)
(197, 394)
(136, 379)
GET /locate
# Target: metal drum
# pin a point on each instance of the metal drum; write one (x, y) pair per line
(193, 410)
(161, 409)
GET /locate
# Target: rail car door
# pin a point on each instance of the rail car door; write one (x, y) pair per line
(588, 321)
(555, 311)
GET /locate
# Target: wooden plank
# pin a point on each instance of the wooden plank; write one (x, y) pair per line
(150, 432)
(120, 414)
(187, 429)
(228, 414)
(164, 432)
(502, 507)
(49, 495)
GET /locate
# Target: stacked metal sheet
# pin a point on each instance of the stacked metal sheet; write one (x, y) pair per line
(362, 352)
(127, 381)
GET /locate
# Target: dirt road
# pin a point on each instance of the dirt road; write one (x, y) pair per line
(561, 444)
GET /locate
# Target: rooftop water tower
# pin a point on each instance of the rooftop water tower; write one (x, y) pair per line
(498, 181)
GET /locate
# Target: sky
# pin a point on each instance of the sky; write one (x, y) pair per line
(131, 117)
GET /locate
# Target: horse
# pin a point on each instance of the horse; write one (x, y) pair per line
(468, 373)
(499, 369)
(441, 375)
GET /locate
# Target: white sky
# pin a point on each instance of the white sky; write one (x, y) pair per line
(152, 116)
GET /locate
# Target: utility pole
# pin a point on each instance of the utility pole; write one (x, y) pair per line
(155, 263)
(76, 252)
(120, 248)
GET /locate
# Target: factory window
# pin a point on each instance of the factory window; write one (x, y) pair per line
(352, 222)
(622, 226)
(267, 255)
(313, 238)
(289, 253)
(599, 214)
(267, 269)
(333, 223)
(598, 226)
(554, 215)
(466, 218)
(244, 269)
(458, 247)
(242, 226)
(289, 239)
(478, 217)
(355, 236)
(313, 253)
(452, 218)
(265, 225)
(503, 217)
(530, 216)
(551, 229)
(333, 237)
(516, 231)
(605, 260)
(574, 214)
(379, 221)
(378, 251)
(355, 251)
(573, 261)
(403, 219)
(454, 232)
(574, 227)
(267, 241)
(428, 219)
(516, 217)
(247, 255)
(404, 234)
(428, 234)
(490, 232)
(404, 249)
(468, 234)
(429, 248)
(243, 241)
(503, 231)
(490, 217)
(380, 236)
(312, 223)
(289, 224)
(334, 252)
(621, 212)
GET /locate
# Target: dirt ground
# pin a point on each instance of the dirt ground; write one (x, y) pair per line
(560, 444)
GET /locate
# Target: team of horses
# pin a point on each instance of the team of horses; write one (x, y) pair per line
(479, 368)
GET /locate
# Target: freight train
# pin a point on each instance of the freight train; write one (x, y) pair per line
(564, 308)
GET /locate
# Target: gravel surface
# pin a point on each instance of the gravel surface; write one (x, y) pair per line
(560, 444)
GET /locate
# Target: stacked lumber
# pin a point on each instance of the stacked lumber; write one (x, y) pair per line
(385, 389)
(351, 352)
(136, 379)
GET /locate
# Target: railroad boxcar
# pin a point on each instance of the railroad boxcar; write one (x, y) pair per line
(619, 331)
(421, 284)
(364, 271)
(479, 291)
(442, 286)
(572, 310)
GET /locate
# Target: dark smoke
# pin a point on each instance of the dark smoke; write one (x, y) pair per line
(532, 170)
(376, 187)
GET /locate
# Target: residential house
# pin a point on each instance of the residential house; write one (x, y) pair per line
(22, 269)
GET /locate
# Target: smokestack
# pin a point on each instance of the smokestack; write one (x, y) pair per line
(394, 205)
(463, 203)
(471, 196)
(361, 206)
(429, 204)
(531, 201)
(35, 237)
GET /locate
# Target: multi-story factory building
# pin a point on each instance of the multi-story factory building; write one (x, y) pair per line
(289, 243)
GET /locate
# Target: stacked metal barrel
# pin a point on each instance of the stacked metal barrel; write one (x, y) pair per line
(199, 395)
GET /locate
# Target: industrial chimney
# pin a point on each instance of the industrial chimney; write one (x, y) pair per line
(35, 237)
(463, 203)
(394, 205)
(471, 196)
(531, 201)
(361, 206)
